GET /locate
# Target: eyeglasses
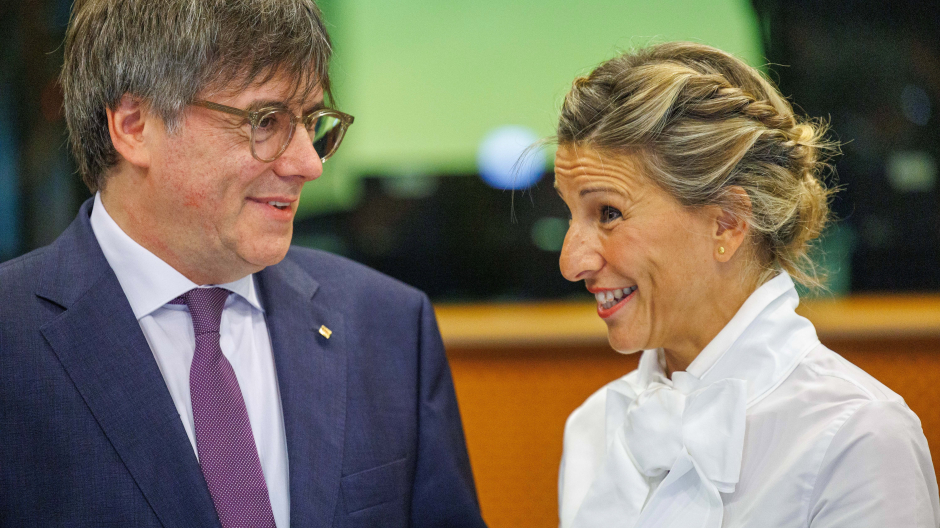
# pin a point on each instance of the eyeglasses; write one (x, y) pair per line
(272, 129)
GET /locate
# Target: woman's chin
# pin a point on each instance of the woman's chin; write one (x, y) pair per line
(623, 336)
(624, 346)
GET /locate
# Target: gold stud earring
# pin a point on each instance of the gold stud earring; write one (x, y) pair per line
(721, 250)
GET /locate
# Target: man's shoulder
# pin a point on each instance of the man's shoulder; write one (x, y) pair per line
(20, 281)
(21, 273)
(66, 266)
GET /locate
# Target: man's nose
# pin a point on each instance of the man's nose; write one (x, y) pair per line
(300, 159)
(580, 255)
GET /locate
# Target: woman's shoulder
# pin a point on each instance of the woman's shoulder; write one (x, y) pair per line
(866, 408)
(841, 441)
(831, 394)
(825, 390)
(876, 454)
(825, 370)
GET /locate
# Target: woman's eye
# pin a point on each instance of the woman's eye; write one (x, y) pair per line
(609, 214)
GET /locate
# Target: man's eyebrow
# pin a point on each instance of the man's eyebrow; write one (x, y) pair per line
(267, 103)
(281, 105)
(314, 107)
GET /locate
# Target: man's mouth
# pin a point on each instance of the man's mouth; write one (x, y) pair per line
(280, 205)
(609, 298)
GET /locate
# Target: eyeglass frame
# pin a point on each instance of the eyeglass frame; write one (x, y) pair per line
(254, 119)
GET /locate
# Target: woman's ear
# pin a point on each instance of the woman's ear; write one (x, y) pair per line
(127, 122)
(730, 224)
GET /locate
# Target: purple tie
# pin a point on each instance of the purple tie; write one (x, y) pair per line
(226, 446)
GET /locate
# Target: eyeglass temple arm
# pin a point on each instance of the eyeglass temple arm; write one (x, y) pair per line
(222, 108)
(346, 118)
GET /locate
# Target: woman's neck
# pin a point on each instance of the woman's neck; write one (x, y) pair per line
(714, 314)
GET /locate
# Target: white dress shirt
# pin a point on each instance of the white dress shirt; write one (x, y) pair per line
(149, 284)
(766, 427)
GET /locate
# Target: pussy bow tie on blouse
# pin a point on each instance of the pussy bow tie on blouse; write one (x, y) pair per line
(693, 433)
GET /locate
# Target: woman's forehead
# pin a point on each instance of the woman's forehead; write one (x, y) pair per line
(580, 166)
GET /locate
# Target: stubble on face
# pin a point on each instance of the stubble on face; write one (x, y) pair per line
(204, 205)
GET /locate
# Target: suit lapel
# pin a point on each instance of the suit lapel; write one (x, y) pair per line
(311, 371)
(102, 348)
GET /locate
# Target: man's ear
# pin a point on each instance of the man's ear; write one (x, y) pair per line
(730, 224)
(127, 123)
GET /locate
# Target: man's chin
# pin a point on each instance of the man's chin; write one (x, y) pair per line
(260, 257)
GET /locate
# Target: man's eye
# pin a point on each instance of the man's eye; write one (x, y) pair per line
(266, 123)
(609, 214)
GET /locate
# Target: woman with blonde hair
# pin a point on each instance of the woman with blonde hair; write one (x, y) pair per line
(694, 193)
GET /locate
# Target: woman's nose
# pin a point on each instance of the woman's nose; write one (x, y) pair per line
(580, 255)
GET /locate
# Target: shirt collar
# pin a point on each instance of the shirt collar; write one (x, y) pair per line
(148, 281)
(762, 343)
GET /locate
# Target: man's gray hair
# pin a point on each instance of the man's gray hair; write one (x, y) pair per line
(167, 52)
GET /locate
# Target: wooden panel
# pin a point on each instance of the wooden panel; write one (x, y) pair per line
(552, 324)
(577, 323)
(514, 404)
(874, 316)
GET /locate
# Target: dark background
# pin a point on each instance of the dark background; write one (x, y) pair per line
(872, 67)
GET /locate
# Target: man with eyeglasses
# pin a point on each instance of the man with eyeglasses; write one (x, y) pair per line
(170, 360)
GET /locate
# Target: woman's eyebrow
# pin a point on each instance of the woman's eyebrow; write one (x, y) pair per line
(601, 189)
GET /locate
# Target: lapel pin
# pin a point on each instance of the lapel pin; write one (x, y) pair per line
(325, 332)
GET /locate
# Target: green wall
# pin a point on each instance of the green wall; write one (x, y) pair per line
(427, 79)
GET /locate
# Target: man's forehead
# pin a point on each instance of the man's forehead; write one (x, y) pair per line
(280, 88)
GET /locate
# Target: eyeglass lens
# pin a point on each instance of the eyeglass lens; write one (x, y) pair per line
(326, 133)
(273, 133)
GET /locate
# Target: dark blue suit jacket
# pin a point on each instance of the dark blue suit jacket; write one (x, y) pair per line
(89, 435)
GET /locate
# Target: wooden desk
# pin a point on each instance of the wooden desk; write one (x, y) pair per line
(520, 369)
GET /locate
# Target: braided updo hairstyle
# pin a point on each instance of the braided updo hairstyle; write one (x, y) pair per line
(702, 122)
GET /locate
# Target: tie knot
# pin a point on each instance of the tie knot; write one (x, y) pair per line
(205, 307)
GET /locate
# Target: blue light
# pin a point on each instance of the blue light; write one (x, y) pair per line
(501, 162)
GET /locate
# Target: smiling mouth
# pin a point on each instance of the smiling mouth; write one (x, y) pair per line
(610, 298)
(279, 205)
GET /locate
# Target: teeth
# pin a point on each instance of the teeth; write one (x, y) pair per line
(607, 299)
(279, 204)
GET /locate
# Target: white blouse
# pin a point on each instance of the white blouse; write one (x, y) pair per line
(766, 427)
